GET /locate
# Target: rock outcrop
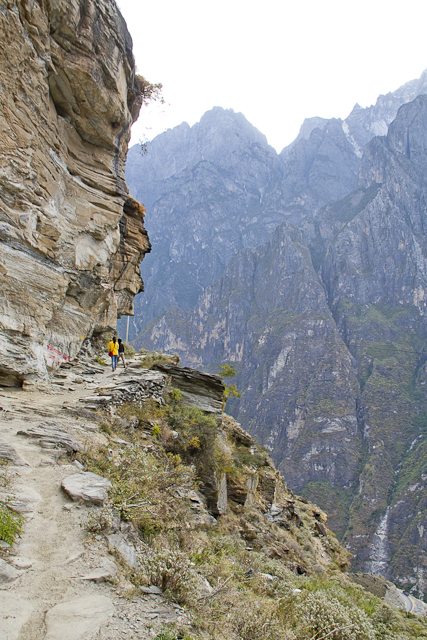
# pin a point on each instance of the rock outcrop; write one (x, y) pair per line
(71, 239)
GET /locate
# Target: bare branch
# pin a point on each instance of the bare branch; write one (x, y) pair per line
(218, 589)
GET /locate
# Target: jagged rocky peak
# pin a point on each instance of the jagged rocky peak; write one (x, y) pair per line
(406, 140)
(220, 138)
(305, 132)
(364, 123)
(225, 122)
(204, 187)
(69, 95)
(407, 135)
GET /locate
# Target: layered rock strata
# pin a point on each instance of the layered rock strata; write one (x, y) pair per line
(71, 239)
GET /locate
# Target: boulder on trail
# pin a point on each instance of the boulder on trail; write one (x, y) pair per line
(49, 432)
(86, 486)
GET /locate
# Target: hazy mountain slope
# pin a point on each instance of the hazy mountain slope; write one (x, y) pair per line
(336, 397)
(218, 187)
(376, 277)
(325, 326)
(205, 189)
(268, 314)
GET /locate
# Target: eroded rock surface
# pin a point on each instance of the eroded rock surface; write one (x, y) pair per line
(87, 486)
(79, 618)
(7, 572)
(198, 389)
(71, 239)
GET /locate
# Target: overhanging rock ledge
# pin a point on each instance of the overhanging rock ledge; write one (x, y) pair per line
(71, 238)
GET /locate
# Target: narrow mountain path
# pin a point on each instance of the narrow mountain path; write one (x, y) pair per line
(53, 593)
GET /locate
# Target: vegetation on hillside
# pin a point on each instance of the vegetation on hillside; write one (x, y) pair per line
(241, 576)
(10, 522)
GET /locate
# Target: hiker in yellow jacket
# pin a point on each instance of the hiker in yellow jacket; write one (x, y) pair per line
(113, 352)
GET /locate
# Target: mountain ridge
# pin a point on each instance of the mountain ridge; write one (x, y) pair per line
(327, 378)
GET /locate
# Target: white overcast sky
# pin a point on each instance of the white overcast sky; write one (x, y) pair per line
(276, 61)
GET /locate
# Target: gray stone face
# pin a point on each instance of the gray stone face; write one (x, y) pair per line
(7, 572)
(51, 433)
(8, 453)
(78, 619)
(87, 486)
(71, 240)
(198, 389)
(117, 542)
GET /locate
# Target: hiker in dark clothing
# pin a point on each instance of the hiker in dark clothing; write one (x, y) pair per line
(122, 352)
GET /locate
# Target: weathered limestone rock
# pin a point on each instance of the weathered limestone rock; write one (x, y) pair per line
(7, 572)
(102, 574)
(118, 542)
(71, 239)
(14, 613)
(50, 433)
(198, 389)
(78, 619)
(8, 453)
(23, 500)
(87, 486)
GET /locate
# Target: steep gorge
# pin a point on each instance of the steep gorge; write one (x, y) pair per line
(325, 322)
(71, 243)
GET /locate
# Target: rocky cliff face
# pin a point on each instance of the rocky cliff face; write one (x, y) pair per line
(325, 325)
(217, 188)
(68, 96)
(205, 187)
(375, 275)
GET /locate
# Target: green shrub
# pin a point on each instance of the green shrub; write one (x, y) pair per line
(146, 414)
(10, 524)
(173, 573)
(227, 371)
(175, 395)
(256, 621)
(170, 635)
(143, 485)
(129, 350)
(196, 436)
(244, 457)
(150, 358)
(156, 431)
(321, 614)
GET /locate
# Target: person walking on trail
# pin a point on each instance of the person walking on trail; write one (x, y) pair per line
(113, 352)
(122, 352)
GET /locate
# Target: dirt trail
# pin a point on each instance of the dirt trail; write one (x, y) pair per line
(54, 553)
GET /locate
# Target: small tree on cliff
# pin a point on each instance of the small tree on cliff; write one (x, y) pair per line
(150, 93)
(227, 371)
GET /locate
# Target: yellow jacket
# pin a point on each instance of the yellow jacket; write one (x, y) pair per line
(113, 347)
